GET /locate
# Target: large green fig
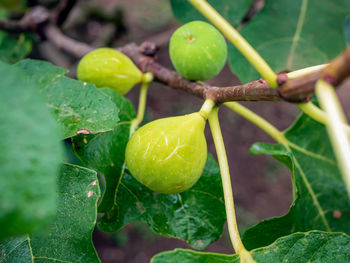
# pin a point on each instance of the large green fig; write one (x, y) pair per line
(198, 51)
(168, 155)
(107, 67)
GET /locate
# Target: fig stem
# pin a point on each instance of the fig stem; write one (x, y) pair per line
(237, 40)
(335, 126)
(226, 183)
(319, 115)
(255, 59)
(309, 108)
(304, 71)
(146, 80)
(206, 108)
(258, 121)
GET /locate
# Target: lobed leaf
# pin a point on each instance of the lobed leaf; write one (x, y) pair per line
(68, 239)
(314, 246)
(30, 154)
(290, 35)
(196, 215)
(105, 152)
(320, 198)
(77, 106)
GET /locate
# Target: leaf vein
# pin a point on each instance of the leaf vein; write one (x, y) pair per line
(313, 195)
(298, 30)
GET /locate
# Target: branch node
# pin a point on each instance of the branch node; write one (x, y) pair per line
(35, 19)
(282, 78)
(149, 49)
(211, 93)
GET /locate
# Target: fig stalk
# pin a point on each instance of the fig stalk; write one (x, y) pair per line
(226, 183)
(147, 78)
(335, 127)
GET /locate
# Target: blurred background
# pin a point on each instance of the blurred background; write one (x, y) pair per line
(262, 187)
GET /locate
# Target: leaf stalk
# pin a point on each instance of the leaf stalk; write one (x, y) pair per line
(335, 126)
(147, 79)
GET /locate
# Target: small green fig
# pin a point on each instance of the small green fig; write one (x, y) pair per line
(107, 67)
(198, 51)
(168, 155)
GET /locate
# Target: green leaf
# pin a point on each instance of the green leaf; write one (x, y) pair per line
(234, 11)
(105, 152)
(293, 34)
(196, 215)
(78, 107)
(321, 201)
(11, 4)
(13, 49)
(68, 238)
(314, 246)
(347, 30)
(30, 154)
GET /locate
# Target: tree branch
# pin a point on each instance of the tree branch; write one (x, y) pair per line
(252, 91)
(40, 21)
(299, 89)
(34, 19)
(67, 44)
(63, 11)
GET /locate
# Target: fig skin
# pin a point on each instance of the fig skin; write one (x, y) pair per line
(198, 51)
(168, 155)
(107, 67)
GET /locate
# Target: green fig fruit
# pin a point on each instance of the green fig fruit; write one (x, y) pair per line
(168, 155)
(198, 51)
(107, 67)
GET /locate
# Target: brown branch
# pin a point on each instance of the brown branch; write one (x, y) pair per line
(300, 89)
(67, 44)
(252, 91)
(63, 11)
(34, 19)
(40, 21)
(339, 69)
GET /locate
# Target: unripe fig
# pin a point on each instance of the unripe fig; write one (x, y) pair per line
(168, 155)
(107, 67)
(198, 51)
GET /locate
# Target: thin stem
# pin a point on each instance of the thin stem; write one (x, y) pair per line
(304, 71)
(318, 115)
(240, 43)
(258, 121)
(309, 108)
(207, 108)
(142, 102)
(336, 119)
(146, 80)
(226, 183)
